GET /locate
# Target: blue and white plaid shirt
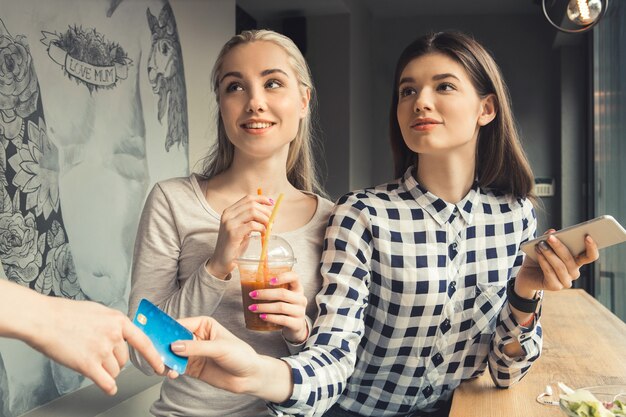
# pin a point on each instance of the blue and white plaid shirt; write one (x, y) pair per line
(414, 301)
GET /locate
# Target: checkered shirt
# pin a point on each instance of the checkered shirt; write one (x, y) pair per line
(414, 301)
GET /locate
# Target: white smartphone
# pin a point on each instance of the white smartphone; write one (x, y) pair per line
(604, 230)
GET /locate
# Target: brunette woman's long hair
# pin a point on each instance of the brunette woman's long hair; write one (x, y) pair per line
(501, 163)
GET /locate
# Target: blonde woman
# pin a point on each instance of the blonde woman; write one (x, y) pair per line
(192, 229)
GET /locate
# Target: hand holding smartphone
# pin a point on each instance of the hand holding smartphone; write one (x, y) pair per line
(604, 230)
(162, 330)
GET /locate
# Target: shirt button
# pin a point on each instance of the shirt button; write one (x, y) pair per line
(522, 337)
(437, 359)
(452, 251)
(454, 245)
(445, 326)
(451, 289)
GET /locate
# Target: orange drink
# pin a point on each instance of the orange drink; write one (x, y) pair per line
(249, 282)
(257, 266)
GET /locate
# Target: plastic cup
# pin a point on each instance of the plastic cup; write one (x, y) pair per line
(279, 259)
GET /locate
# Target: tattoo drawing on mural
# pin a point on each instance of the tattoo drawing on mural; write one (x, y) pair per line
(87, 57)
(93, 112)
(165, 73)
(33, 246)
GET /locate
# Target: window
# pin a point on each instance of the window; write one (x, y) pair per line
(609, 150)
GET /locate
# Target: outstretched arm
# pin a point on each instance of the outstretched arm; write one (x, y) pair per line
(84, 336)
(219, 358)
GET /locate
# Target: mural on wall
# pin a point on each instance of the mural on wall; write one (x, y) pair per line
(87, 57)
(93, 112)
(165, 75)
(33, 245)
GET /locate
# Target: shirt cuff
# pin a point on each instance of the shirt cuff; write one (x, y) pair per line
(211, 280)
(301, 389)
(509, 330)
(294, 348)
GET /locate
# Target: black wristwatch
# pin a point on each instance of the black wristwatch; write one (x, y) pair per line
(522, 304)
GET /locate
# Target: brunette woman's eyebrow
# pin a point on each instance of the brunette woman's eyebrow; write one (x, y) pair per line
(446, 75)
(436, 77)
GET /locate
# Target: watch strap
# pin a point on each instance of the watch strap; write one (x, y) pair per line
(524, 305)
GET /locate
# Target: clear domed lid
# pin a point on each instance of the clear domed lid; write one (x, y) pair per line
(279, 251)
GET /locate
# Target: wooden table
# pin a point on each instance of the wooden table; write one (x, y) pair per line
(584, 344)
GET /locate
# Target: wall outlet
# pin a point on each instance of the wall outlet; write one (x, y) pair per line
(544, 187)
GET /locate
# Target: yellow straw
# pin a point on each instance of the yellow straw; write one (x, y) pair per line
(262, 271)
(262, 264)
(259, 191)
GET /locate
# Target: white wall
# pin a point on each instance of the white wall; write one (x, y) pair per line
(203, 27)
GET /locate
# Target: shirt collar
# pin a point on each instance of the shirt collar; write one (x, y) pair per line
(440, 210)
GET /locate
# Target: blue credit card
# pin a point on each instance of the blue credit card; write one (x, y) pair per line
(162, 330)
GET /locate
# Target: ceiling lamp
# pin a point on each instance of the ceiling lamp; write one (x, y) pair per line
(584, 13)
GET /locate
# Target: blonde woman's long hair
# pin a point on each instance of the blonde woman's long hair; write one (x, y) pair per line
(301, 170)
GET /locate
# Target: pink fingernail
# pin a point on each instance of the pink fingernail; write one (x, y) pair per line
(271, 200)
(274, 281)
(263, 316)
(253, 307)
(253, 294)
(177, 347)
(552, 239)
